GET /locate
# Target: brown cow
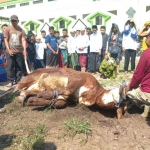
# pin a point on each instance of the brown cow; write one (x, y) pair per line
(71, 85)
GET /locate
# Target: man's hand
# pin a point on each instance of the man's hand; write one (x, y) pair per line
(99, 53)
(24, 53)
(10, 52)
(56, 52)
(123, 48)
(81, 48)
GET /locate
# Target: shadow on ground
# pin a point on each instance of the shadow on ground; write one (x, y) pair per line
(50, 146)
(6, 140)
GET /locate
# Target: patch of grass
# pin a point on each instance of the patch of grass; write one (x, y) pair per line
(34, 140)
(77, 126)
(12, 97)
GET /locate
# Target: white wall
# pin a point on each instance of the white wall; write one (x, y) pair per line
(67, 8)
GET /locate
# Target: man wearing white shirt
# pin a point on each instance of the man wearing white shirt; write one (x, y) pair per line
(95, 50)
(43, 35)
(72, 49)
(82, 43)
(40, 46)
(130, 45)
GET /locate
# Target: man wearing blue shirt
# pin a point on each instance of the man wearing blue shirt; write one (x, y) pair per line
(1, 42)
(52, 49)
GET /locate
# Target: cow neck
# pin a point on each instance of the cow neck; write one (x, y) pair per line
(101, 92)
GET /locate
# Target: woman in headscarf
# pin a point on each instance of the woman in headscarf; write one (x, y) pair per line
(108, 67)
(115, 45)
(145, 31)
(129, 44)
(31, 52)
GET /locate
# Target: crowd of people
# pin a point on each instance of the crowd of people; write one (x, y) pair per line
(86, 50)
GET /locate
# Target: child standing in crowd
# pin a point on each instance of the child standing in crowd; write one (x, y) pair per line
(39, 53)
(64, 51)
(72, 49)
(31, 50)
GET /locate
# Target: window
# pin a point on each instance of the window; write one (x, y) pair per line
(38, 2)
(11, 6)
(62, 24)
(24, 4)
(32, 27)
(98, 20)
(1, 8)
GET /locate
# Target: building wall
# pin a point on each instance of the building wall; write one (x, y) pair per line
(77, 13)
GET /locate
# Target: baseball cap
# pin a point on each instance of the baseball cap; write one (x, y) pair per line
(14, 17)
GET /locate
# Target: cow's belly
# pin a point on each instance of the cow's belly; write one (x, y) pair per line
(47, 83)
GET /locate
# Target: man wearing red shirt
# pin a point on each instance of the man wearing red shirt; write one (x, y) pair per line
(139, 87)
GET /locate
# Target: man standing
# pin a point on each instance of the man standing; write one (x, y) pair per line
(105, 43)
(14, 37)
(95, 50)
(130, 45)
(82, 43)
(43, 36)
(88, 33)
(72, 49)
(1, 42)
(52, 51)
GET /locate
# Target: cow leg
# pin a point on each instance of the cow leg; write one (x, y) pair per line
(25, 94)
(35, 101)
(121, 110)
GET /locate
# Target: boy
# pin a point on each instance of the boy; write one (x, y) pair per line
(39, 53)
(64, 51)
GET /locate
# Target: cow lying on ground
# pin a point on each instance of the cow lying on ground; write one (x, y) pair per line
(63, 85)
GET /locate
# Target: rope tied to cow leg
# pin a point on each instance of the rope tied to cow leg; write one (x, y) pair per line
(54, 98)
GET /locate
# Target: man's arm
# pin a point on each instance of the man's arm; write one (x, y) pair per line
(6, 40)
(57, 49)
(49, 47)
(139, 73)
(24, 45)
(100, 44)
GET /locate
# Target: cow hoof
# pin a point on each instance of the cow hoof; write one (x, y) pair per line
(60, 104)
(2, 110)
(20, 99)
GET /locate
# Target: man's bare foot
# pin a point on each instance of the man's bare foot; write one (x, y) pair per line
(10, 84)
(2, 110)
(126, 72)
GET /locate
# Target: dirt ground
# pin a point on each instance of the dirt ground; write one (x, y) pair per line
(132, 132)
